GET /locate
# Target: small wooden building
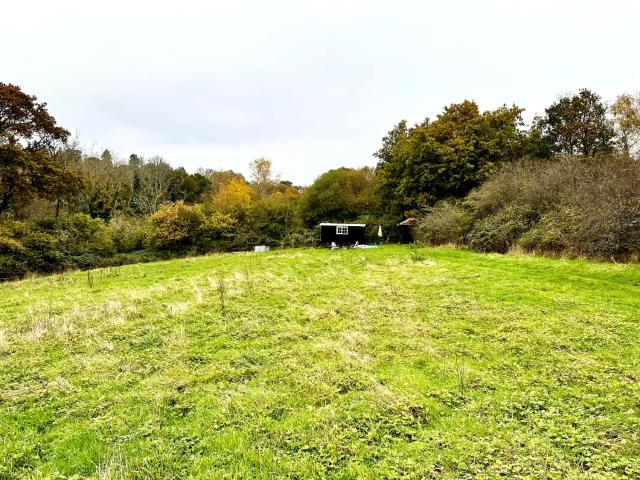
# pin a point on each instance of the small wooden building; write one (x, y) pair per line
(407, 230)
(342, 233)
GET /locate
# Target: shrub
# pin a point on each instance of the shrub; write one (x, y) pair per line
(128, 233)
(271, 219)
(448, 222)
(80, 234)
(10, 246)
(43, 253)
(308, 237)
(13, 256)
(416, 254)
(538, 185)
(499, 231)
(611, 228)
(13, 228)
(216, 231)
(174, 226)
(86, 260)
(139, 256)
(12, 268)
(557, 231)
(52, 244)
(576, 205)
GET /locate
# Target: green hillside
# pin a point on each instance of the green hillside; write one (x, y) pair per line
(393, 362)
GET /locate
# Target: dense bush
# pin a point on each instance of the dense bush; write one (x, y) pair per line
(216, 231)
(13, 258)
(556, 231)
(9, 246)
(499, 231)
(79, 234)
(43, 253)
(11, 268)
(128, 233)
(85, 260)
(139, 256)
(175, 226)
(52, 244)
(573, 205)
(275, 218)
(448, 222)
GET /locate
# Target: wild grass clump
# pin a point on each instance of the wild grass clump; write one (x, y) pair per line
(416, 254)
(570, 205)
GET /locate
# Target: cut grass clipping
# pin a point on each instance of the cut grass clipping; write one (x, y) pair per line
(384, 363)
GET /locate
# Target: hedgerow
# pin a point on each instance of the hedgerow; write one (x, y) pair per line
(569, 205)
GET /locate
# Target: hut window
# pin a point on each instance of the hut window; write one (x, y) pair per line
(342, 230)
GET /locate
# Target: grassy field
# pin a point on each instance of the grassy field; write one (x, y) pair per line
(393, 362)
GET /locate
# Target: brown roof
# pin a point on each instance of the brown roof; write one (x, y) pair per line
(409, 221)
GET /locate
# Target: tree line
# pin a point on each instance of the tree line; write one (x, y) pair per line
(456, 152)
(62, 207)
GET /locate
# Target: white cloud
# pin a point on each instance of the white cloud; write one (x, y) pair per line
(310, 85)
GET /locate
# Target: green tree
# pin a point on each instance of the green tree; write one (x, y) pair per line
(446, 157)
(106, 157)
(535, 145)
(275, 218)
(134, 160)
(343, 194)
(577, 125)
(187, 187)
(391, 139)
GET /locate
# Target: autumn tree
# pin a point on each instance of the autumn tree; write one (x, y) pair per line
(262, 177)
(218, 179)
(65, 188)
(29, 138)
(175, 225)
(626, 117)
(577, 125)
(234, 199)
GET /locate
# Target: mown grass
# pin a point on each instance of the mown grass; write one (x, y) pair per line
(383, 363)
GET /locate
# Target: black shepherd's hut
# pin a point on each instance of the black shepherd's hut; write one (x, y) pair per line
(407, 230)
(341, 233)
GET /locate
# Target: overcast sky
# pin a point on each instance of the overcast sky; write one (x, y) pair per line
(310, 85)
